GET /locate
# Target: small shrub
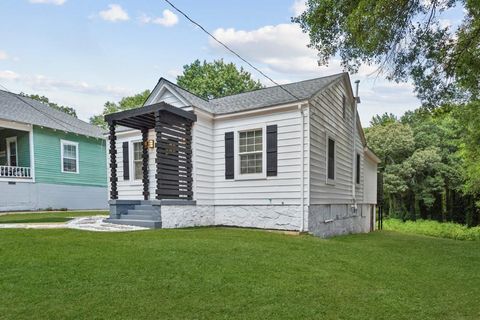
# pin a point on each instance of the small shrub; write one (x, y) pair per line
(434, 228)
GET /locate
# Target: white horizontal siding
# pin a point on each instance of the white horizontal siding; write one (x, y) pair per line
(203, 169)
(370, 181)
(285, 188)
(326, 119)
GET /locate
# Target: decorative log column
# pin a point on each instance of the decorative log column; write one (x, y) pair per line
(145, 163)
(158, 136)
(188, 158)
(113, 162)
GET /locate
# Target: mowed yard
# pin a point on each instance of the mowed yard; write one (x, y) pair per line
(226, 273)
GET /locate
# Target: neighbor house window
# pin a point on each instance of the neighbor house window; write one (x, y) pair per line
(331, 159)
(69, 156)
(344, 106)
(12, 156)
(137, 160)
(251, 151)
(357, 169)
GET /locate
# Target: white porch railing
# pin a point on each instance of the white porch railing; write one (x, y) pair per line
(15, 172)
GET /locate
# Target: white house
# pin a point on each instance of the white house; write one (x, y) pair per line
(290, 158)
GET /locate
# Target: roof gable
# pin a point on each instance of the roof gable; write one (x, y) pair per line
(260, 98)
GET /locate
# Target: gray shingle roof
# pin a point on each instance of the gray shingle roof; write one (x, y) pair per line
(272, 96)
(193, 99)
(260, 98)
(40, 114)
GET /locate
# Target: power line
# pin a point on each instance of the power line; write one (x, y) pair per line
(229, 49)
(58, 121)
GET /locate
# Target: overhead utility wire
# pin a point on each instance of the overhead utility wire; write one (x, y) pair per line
(228, 48)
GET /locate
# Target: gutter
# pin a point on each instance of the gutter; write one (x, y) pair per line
(354, 153)
(302, 178)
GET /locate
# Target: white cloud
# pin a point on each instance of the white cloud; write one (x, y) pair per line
(55, 2)
(281, 51)
(3, 55)
(8, 75)
(41, 82)
(282, 48)
(298, 7)
(168, 19)
(114, 13)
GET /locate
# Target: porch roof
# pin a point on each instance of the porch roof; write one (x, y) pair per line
(144, 117)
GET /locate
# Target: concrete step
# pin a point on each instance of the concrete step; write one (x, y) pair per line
(138, 217)
(144, 207)
(142, 212)
(139, 223)
(149, 202)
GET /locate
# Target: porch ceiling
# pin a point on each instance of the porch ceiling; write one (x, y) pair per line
(144, 117)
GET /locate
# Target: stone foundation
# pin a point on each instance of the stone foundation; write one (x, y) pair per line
(320, 220)
(332, 220)
(265, 217)
(182, 216)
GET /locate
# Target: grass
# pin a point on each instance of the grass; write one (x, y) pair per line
(220, 273)
(433, 228)
(44, 217)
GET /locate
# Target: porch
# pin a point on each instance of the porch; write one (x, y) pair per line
(173, 162)
(16, 155)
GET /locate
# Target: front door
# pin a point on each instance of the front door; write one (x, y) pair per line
(12, 158)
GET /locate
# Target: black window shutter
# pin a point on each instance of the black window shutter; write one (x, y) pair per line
(126, 164)
(229, 156)
(272, 150)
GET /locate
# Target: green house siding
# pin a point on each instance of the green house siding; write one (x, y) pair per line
(48, 169)
(23, 147)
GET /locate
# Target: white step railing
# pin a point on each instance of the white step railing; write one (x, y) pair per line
(15, 172)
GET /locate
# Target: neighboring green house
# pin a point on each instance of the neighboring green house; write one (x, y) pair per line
(49, 159)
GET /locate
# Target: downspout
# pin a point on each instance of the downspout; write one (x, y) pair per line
(356, 99)
(302, 177)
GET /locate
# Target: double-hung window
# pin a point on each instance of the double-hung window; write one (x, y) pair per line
(69, 155)
(251, 151)
(137, 160)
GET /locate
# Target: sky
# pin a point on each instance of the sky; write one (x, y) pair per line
(82, 53)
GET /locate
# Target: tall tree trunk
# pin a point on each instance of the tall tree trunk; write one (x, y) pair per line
(444, 204)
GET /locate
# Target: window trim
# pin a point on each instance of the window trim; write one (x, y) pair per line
(236, 146)
(327, 179)
(77, 153)
(131, 161)
(7, 145)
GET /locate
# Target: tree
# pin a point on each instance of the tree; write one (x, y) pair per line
(68, 110)
(405, 38)
(125, 103)
(392, 142)
(216, 79)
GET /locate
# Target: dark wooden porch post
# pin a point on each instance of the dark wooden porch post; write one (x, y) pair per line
(145, 163)
(158, 138)
(188, 160)
(113, 162)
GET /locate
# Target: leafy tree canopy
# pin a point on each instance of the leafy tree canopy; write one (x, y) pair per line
(405, 38)
(216, 79)
(126, 103)
(68, 110)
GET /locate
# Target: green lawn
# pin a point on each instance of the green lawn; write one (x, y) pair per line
(220, 273)
(39, 217)
(432, 228)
